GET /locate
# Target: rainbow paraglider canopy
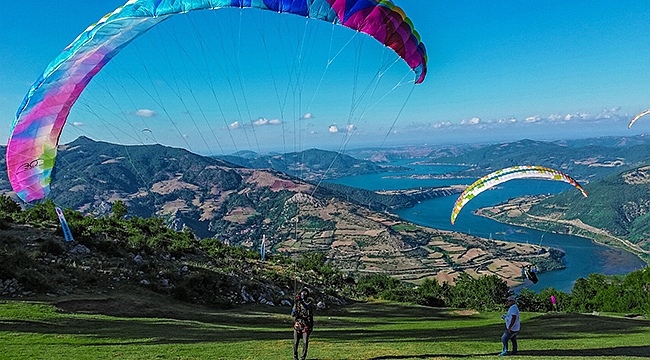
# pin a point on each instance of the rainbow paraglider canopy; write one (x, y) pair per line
(32, 147)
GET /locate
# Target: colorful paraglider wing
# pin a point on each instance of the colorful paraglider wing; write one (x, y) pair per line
(503, 175)
(637, 117)
(31, 149)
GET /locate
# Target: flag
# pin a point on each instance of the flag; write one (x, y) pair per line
(64, 225)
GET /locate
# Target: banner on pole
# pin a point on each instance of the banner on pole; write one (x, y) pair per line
(64, 225)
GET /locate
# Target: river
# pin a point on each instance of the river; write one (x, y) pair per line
(582, 258)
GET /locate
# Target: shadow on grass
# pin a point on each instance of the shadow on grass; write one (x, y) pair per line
(637, 351)
(359, 314)
(159, 331)
(543, 327)
(427, 356)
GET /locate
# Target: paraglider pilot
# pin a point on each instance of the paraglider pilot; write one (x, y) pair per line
(530, 273)
(303, 314)
(512, 326)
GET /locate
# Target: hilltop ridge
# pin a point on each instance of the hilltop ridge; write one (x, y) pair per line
(239, 206)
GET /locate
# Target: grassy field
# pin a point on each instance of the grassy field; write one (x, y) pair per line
(131, 327)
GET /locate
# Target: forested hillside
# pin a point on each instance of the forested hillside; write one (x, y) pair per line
(619, 204)
(616, 212)
(583, 161)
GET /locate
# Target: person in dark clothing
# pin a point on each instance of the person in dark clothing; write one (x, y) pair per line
(303, 314)
(530, 273)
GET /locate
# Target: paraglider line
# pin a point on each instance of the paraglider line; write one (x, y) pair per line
(397, 117)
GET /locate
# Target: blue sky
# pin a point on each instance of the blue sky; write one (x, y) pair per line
(498, 71)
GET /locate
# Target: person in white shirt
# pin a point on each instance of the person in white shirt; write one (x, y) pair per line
(512, 326)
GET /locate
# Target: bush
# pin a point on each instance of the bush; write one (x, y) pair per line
(5, 221)
(375, 284)
(40, 213)
(203, 287)
(51, 246)
(528, 300)
(8, 206)
(431, 293)
(484, 293)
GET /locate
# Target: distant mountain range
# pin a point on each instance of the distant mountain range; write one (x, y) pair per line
(312, 164)
(582, 159)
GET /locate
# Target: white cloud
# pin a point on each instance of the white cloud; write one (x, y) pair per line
(185, 136)
(350, 128)
(264, 121)
(510, 120)
(439, 125)
(576, 116)
(77, 124)
(146, 113)
(308, 116)
(333, 129)
(234, 125)
(608, 113)
(260, 122)
(473, 121)
(533, 119)
(555, 117)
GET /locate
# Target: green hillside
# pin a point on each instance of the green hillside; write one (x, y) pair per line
(241, 206)
(619, 204)
(583, 160)
(616, 211)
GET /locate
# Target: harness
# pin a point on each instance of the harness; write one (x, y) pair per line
(303, 315)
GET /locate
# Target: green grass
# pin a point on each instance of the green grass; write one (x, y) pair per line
(404, 227)
(108, 328)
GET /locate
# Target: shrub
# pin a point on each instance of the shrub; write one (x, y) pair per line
(8, 206)
(375, 284)
(431, 293)
(5, 221)
(51, 246)
(119, 210)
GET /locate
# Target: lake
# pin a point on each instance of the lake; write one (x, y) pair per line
(583, 256)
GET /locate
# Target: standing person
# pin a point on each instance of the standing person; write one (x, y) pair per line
(554, 302)
(512, 326)
(303, 313)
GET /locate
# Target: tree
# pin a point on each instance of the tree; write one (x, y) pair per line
(585, 293)
(119, 210)
(431, 293)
